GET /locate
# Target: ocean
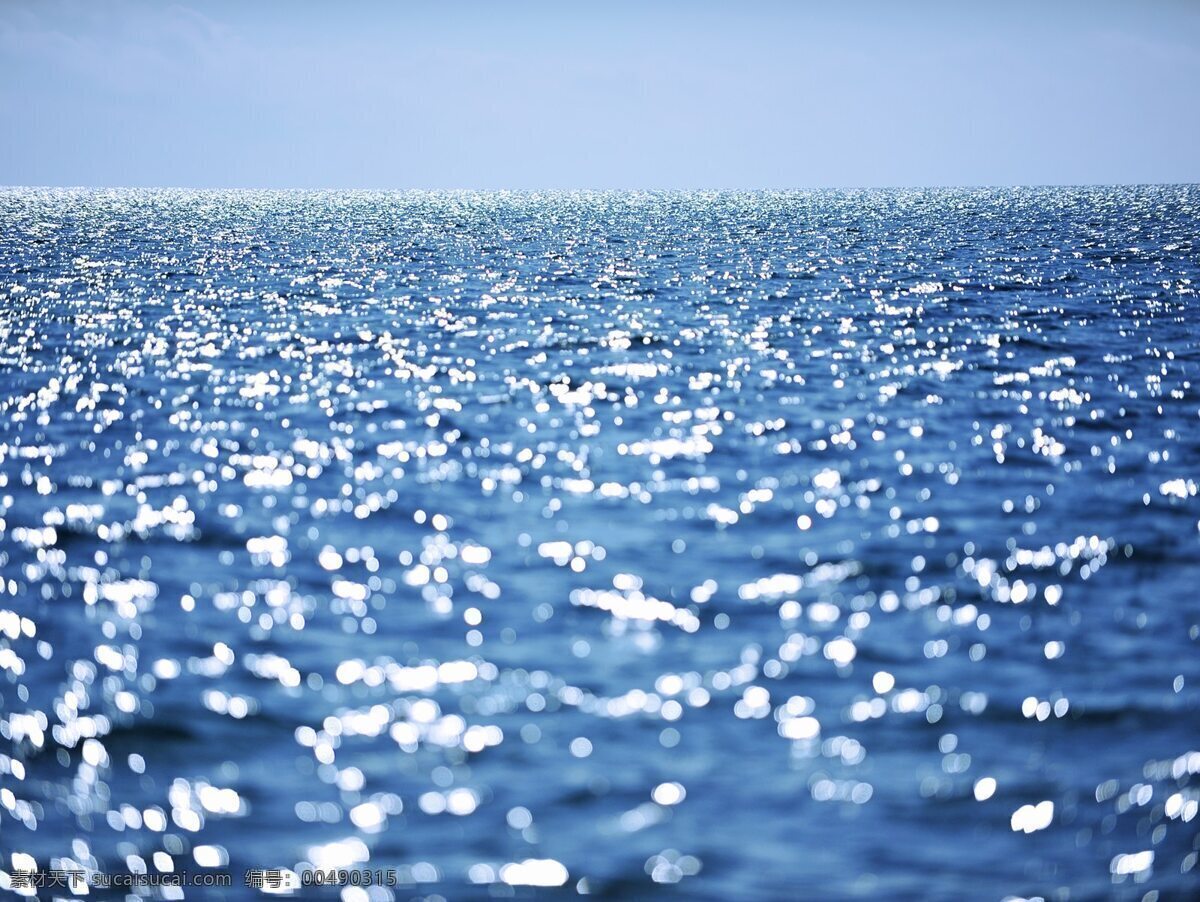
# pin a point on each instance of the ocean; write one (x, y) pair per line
(827, 545)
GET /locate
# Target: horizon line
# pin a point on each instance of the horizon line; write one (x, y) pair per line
(609, 190)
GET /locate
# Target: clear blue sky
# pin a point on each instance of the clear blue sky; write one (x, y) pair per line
(600, 95)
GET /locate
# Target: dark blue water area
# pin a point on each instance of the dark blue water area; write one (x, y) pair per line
(707, 546)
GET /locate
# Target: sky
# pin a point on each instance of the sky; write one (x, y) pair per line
(538, 95)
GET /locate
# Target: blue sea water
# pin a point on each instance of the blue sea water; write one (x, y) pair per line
(706, 546)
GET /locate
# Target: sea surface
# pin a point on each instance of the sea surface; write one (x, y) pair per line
(703, 546)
